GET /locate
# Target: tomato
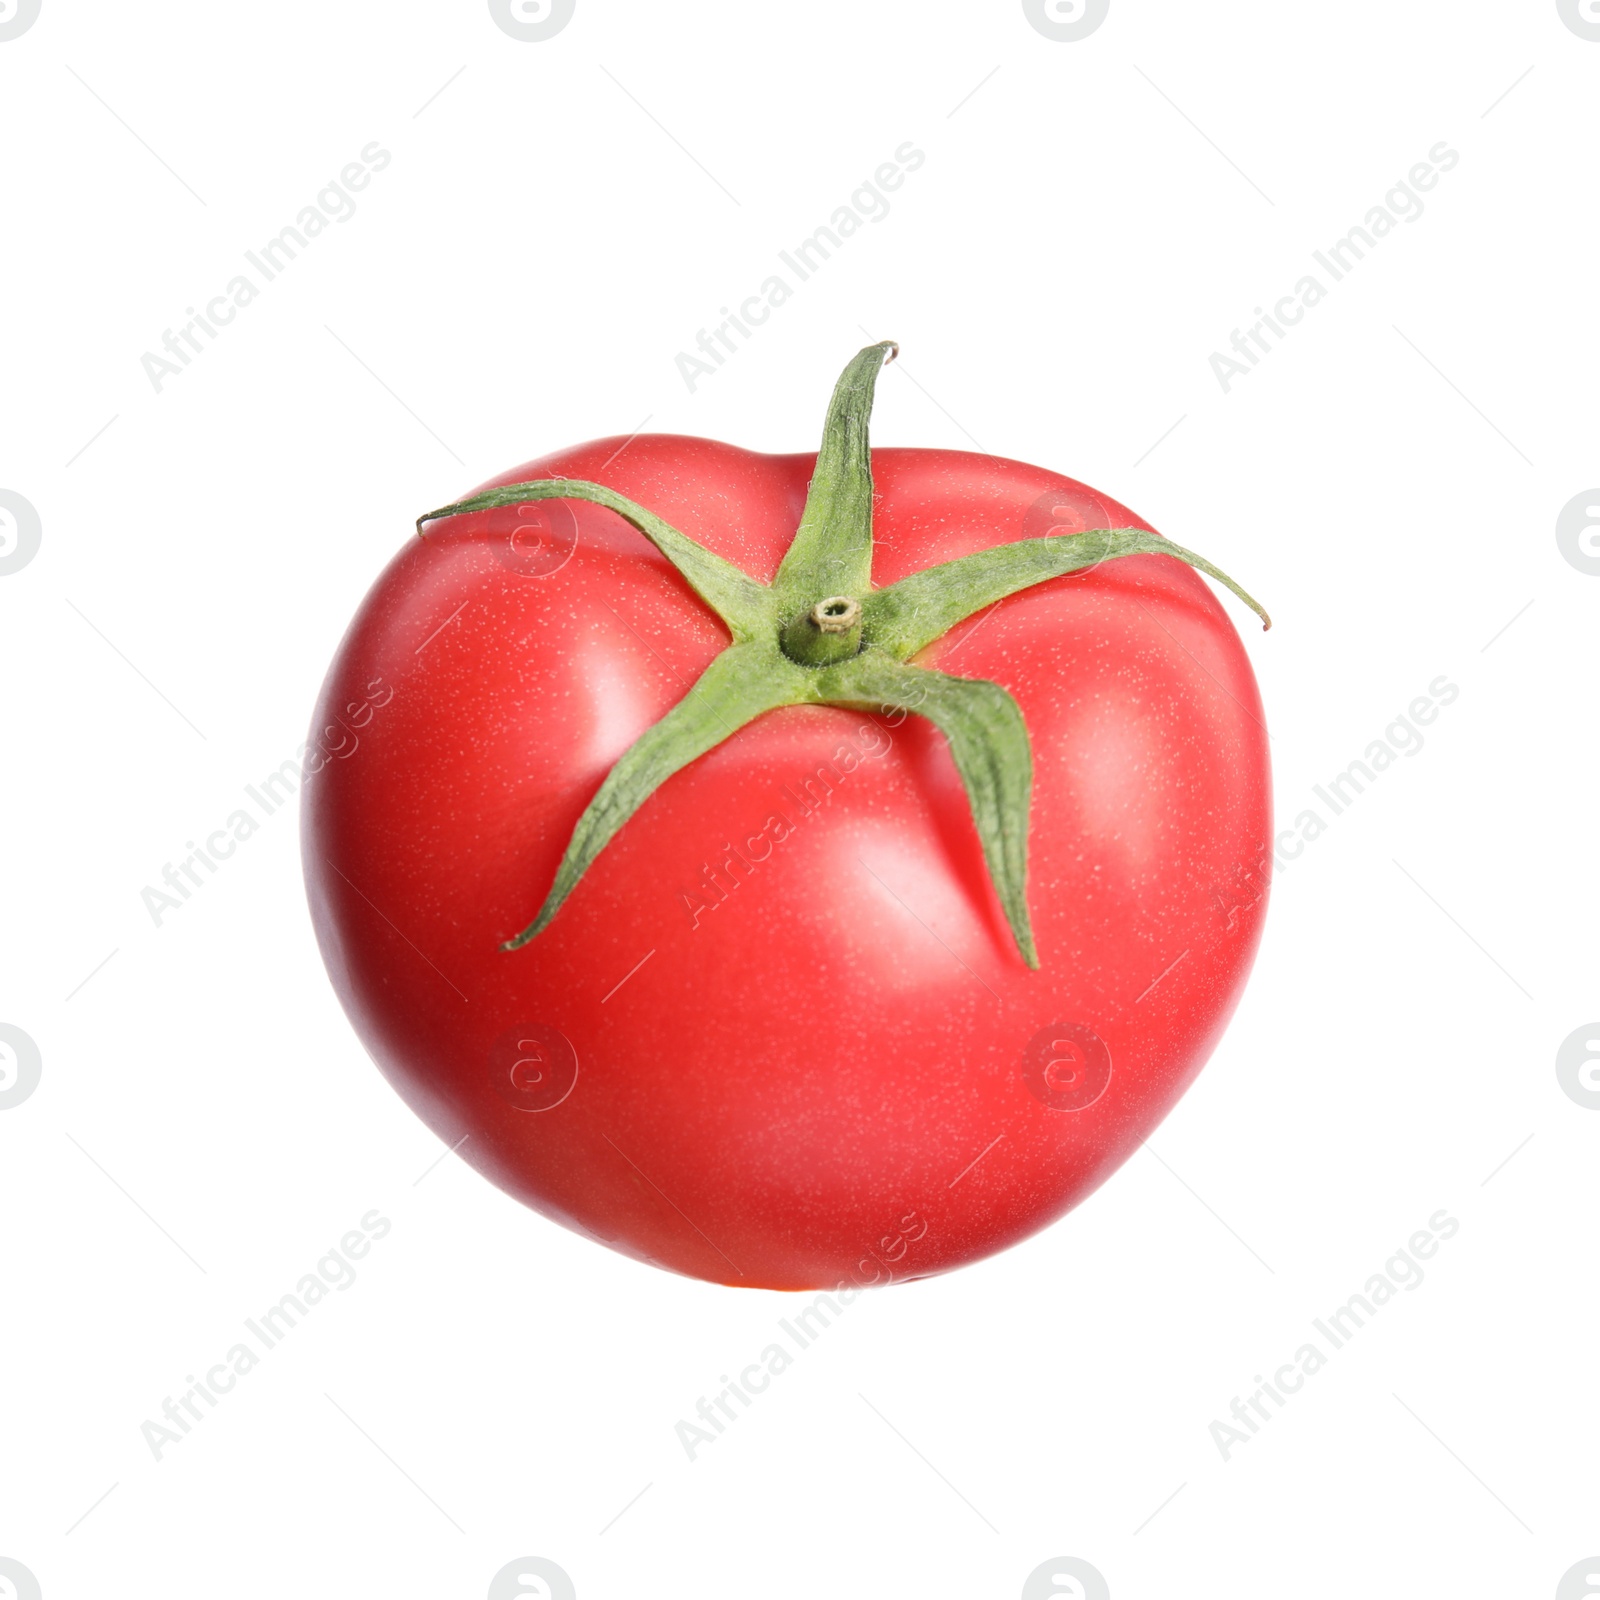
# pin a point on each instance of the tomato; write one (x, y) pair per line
(783, 1030)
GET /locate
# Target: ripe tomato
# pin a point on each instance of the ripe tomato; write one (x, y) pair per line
(781, 1033)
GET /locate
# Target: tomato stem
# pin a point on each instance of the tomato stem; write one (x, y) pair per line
(829, 632)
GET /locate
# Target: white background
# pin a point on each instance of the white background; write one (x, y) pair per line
(1059, 272)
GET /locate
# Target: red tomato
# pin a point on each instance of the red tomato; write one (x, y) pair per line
(780, 1034)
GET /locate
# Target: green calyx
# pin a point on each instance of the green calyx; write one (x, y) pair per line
(820, 634)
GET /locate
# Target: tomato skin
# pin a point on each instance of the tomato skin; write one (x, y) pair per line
(838, 1072)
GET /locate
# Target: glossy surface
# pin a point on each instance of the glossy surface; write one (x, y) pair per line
(779, 1036)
